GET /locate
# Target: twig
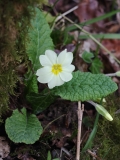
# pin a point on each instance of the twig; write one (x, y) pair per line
(84, 136)
(95, 40)
(80, 114)
(67, 12)
(52, 122)
(62, 15)
(64, 150)
(93, 154)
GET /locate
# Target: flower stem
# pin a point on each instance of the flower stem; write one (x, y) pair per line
(80, 114)
(111, 74)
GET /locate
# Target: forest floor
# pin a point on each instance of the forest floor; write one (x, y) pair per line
(100, 138)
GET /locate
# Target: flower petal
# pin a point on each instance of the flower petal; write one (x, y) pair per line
(44, 60)
(52, 56)
(65, 57)
(45, 74)
(68, 68)
(55, 81)
(66, 76)
(62, 56)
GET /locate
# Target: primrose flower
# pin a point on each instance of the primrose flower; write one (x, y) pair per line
(56, 69)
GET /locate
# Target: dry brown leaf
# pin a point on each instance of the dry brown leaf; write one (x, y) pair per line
(89, 9)
(4, 148)
(25, 157)
(61, 5)
(114, 28)
(113, 45)
(118, 14)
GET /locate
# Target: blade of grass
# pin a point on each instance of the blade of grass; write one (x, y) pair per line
(94, 20)
(92, 135)
(107, 152)
(101, 36)
(90, 36)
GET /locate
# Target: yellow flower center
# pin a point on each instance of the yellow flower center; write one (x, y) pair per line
(56, 69)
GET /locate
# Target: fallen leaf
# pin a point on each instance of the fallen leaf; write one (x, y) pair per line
(4, 148)
(89, 9)
(113, 45)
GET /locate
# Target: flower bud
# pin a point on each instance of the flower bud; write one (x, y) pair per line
(118, 73)
(101, 110)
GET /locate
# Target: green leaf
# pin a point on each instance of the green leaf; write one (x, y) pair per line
(40, 101)
(49, 18)
(86, 86)
(87, 56)
(22, 127)
(39, 39)
(49, 156)
(32, 85)
(61, 37)
(86, 121)
(37, 43)
(96, 66)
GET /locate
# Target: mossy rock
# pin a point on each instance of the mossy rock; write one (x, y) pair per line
(15, 19)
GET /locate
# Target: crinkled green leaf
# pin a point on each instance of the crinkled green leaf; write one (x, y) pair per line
(37, 43)
(39, 102)
(86, 86)
(32, 85)
(96, 66)
(23, 127)
(87, 56)
(39, 39)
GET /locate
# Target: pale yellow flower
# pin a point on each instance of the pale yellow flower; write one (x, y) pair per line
(56, 69)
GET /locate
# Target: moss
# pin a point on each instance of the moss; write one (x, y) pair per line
(15, 19)
(108, 135)
(106, 142)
